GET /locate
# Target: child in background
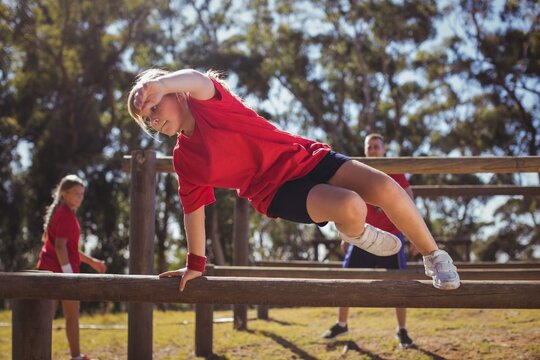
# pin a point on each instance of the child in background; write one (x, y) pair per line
(60, 252)
(224, 143)
(374, 146)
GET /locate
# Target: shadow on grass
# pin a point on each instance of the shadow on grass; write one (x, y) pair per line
(427, 352)
(215, 357)
(349, 345)
(285, 343)
(281, 322)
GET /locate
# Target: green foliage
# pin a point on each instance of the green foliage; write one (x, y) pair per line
(333, 70)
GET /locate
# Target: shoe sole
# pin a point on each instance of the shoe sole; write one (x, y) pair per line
(447, 286)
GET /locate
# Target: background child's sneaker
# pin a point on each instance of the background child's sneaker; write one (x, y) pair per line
(441, 268)
(404, 340)
(82, 357)
(335, 331)
(375, 241)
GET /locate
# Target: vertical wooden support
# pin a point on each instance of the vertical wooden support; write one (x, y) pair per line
(141, 248)
(241, 250)
(32, 329)
(204, 325)
(262, 312)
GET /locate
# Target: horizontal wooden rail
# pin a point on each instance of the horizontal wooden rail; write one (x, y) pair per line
(276, 291)
(410, 265)
(373, 274)
(422, 165)
(439, 240)
(474, 190)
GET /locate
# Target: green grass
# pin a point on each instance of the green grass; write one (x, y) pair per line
(294, 333)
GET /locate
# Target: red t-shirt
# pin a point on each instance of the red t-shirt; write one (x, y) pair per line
(232, 147)
(63, 224)
(376, 215)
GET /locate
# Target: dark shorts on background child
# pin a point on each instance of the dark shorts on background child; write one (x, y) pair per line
(290, 202)
(358, 258)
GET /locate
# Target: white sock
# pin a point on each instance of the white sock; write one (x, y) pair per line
(342, 324)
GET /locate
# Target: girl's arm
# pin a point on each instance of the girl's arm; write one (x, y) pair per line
(98, 265)
(196, 238)
(195, 231)
(61, 252)
(149, 93)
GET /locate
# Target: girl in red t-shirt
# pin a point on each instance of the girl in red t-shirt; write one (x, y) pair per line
(224, 143)
(60, 251)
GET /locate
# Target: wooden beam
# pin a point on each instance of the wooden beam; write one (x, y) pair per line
(278, 291)
(410, 265)
(381, 274)
(424, 165)
(473, 190)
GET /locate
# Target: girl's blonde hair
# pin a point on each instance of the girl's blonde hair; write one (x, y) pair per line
(152, 74)
(66, 183)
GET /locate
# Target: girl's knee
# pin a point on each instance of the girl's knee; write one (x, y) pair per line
(386, 190)
(354, 209)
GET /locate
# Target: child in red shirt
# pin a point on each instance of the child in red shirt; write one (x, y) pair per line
(374, 146)
(60, 252)
(224, 143)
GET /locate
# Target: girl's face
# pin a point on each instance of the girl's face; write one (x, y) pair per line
(171, 115)
(73, 197)
(374, 148)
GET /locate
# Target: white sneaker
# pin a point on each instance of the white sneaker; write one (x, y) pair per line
(441, 268)
(375, 241)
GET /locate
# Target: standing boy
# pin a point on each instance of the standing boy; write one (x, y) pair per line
(355, 257)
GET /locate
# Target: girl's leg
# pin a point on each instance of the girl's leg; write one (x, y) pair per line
(401, 315)
(377, 188)
(71, 313)
(343, 201)
(348, 211)
(342, 206)
(343, 314)
(54, 308)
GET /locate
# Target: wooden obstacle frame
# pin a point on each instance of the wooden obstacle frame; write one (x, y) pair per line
(140, 288)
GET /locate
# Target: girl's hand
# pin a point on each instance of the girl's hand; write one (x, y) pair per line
(98, 265)
(185, 273)
(148, 95)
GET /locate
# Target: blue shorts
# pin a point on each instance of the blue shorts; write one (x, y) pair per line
(358, 258)
(290, 202)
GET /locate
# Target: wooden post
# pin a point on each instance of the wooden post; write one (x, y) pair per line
(204, 324)
(262, 312)
(141, 248)
(204, 329)
(240, 258)
(32, 329)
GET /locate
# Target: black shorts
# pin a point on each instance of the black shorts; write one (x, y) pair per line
(290, 202)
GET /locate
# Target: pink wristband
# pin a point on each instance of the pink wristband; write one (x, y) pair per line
(196, 262)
